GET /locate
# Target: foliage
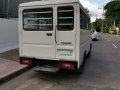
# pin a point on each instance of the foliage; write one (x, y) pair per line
(113, 11)
(105, 30)
(97, 24)
(112, 30)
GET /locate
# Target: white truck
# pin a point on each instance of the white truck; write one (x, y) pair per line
(54, 34)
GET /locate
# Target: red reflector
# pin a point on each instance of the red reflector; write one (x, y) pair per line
(67, 65)
(25, 61)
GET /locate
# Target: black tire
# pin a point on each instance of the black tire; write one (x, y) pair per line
(89, 53)
(81, 68)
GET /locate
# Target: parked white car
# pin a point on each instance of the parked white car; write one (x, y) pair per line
(95, 35)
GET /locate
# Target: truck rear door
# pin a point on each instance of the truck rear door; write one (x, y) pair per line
(65, 31)
(49, 32)
(38, 32)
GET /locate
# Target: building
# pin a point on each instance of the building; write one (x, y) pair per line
(9, 8)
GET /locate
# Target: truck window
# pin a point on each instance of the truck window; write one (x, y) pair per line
(65, 18)
(40, 19)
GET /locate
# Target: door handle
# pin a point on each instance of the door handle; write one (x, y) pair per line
(49, 34)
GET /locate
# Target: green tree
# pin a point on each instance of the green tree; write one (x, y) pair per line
(97, 24)
(112, 12)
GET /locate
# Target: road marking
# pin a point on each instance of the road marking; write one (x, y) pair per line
(94, 88)
(105, 37)
(48, 86)
(114, 45)
(108, 40)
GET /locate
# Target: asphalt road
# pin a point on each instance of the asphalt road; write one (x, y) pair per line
(102, 72)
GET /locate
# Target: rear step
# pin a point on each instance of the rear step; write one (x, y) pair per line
(46, 69)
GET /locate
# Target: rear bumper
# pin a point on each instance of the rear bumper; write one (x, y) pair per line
(60, 64)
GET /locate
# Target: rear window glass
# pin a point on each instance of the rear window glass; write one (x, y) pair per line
(38, 19)
(65, 18)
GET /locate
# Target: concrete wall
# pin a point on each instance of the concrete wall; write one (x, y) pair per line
(8, 34)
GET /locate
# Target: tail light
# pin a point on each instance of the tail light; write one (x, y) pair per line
(26, 61)
(66, 65)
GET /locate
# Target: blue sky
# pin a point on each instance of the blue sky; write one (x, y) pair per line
(94, 7)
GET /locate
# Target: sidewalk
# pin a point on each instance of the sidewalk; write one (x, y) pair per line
(9, 69)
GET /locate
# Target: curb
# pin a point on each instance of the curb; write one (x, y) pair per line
(14, 73)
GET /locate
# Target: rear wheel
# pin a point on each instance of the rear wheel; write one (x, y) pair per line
(81, 68)
(89, 53)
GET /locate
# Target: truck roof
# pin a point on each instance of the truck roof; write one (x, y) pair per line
(47, 2)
